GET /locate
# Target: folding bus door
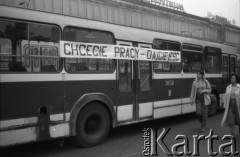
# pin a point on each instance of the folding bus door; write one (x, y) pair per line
(126, 89)
(144, 96)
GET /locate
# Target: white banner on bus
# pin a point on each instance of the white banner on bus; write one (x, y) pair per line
(70, 49)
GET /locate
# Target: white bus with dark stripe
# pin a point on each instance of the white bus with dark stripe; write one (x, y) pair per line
(46, 97)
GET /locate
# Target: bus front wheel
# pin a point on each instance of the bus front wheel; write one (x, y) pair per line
(92, 126)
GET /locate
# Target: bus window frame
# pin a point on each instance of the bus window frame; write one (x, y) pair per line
(125, 43)
(193, 51)
(219, 57)
(165, 72)
(193, 45)
(146, 45)
(61, 62)
(114, 63)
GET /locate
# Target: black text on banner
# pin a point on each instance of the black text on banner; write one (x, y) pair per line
(89, 50)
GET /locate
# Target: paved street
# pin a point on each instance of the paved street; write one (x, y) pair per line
(127, 141)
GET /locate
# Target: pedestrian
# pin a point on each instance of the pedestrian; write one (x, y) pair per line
(201, 88)
(231, 116)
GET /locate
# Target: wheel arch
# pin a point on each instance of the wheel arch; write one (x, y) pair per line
(86, 99)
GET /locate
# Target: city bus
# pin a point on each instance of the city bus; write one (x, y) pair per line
(45, 96)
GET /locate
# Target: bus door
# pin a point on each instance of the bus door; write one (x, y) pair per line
(126, 95)
(134, 79)
(192, 62)
(144, 96)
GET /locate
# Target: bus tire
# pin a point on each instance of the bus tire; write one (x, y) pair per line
(212, 109)
(92, 125)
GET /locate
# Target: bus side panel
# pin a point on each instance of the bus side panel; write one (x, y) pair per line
(75, 89)
(31, 111)
(166, 89)
(167, 101)
(24, 99)
(186, 87)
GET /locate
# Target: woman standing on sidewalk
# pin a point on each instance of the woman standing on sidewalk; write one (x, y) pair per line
(231, 115)
(200, 87)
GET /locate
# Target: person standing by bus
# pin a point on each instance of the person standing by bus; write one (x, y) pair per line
(231, 116)
(200, 86)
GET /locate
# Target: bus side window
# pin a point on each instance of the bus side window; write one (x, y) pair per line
(191, 58)
(166, 45)
(33, 51)
(44, 42)
(11, 36)
(186, 65)
(212, 59)
(78, 65)
(192, 61)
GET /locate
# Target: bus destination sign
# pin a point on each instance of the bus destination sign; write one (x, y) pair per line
(70, 49)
